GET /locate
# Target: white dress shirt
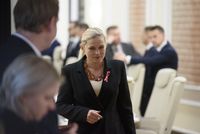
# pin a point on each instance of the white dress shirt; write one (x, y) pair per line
(149, 46)
(96, 86)
(163, 44)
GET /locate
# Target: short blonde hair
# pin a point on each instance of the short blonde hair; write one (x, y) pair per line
(91, 33)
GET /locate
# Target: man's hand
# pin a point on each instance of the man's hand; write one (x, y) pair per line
(119, 56)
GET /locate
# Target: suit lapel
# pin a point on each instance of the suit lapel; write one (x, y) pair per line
(102, 98)
(82, 76)
(124, 48)
(69, 47)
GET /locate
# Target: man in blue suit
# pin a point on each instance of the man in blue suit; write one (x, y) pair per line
(166, 57)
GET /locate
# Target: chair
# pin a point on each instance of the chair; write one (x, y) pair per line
(47, 58)
(143, 131)
(137, 73)
(160, 92)
(71, 60)
(57, 58)
(163, 103)
(176, 92)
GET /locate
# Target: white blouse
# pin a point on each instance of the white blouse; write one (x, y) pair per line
(96, 86)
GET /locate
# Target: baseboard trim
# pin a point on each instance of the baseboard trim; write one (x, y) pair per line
(190, 103)
(192, 88)
(184, 131)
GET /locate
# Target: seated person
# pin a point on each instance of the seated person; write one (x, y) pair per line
(26, 96)
(166, 57)
(76, 30)
(115, 45)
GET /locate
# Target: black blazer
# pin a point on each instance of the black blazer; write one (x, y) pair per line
(8, 52)
(77, 97)
(13, 124)
(127, 48)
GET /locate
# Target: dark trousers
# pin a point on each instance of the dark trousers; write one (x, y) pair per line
(146, 94)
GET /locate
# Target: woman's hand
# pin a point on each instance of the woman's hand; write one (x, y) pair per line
(93, 116)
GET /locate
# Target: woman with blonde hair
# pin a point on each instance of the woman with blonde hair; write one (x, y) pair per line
(95, 93)
(26, 96)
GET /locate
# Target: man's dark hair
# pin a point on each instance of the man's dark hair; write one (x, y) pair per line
(147, 28)
(157, 27)
(83, 26)
(111, 28)
(31, 15)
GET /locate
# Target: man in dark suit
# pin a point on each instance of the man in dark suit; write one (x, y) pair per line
(76, 30)
(74, 40)
(166, 57)
(115, 45)
(35, 22)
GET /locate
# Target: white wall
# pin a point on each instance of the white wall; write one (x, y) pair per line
(74, 10)
(103, 13)
(13, 2)
(158, 12)
(62, 25)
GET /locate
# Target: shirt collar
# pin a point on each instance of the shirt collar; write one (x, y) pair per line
(149, 46)
(120, 48)
(75, 39)
(164, 43)
(35, 49)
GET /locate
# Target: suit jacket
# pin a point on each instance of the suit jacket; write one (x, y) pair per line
(127, 48)
(8, 52)
(13, 124)
(166, 58)
(77, 97)
(72, 52)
